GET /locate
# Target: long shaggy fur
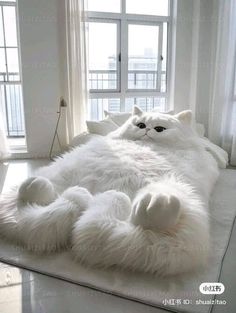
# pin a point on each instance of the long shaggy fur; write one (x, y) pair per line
(136, 199)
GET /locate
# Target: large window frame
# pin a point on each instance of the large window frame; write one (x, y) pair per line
(11, 88)
(123, 20)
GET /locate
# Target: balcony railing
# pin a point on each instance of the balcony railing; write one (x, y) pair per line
(11, 104)
(137, 79)
(102, 79)
(105, 81)
(98, 105)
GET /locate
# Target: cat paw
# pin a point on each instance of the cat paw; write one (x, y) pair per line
(78, 195)
(156, 211)
(116, 204)
(37, 190)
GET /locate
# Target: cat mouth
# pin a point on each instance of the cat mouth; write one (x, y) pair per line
(146, 137)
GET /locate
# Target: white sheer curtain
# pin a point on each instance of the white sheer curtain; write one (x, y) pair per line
(222, 113)
(77, 67)
(4, 152)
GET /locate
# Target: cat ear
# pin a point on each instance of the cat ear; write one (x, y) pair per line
(137, 110)
(185, 116)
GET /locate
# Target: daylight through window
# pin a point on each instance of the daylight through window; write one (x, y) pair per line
(11, 103)
(128, 55)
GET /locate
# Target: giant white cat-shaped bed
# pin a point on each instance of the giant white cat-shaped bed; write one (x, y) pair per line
(136, 199)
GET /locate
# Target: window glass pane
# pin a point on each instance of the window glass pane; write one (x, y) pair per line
(10, 94)
(146, 103)
(12, 61)
(104, 5)
(143, 56)
(14, 77)
(15, 117)
(102, 55)
(1, 29)
(3, 105)
(148, 7)
(9, 14)
(12, 107)
(102, 79)
(97, 107)
(2, 64)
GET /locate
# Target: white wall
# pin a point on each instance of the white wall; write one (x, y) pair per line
(204, 61)
(193, 31)
(181, 69)
(42, 66)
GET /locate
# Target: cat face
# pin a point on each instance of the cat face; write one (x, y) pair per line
(157, 127)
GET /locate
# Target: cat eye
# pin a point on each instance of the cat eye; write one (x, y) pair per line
(159, 129)
(141, 125)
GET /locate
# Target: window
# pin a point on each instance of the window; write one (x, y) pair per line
(128, 55)
(11, 103)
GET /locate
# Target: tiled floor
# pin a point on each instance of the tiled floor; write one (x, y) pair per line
(23, 291)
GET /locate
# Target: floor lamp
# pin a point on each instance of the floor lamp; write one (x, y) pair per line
(62, 104)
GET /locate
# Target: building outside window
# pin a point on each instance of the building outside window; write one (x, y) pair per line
(129, 45)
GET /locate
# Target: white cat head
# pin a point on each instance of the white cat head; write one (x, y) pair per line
(156, 127)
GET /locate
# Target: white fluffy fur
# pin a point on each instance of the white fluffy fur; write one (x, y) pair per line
(136, 198)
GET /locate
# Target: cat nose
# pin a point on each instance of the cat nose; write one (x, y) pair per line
(147, 129)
